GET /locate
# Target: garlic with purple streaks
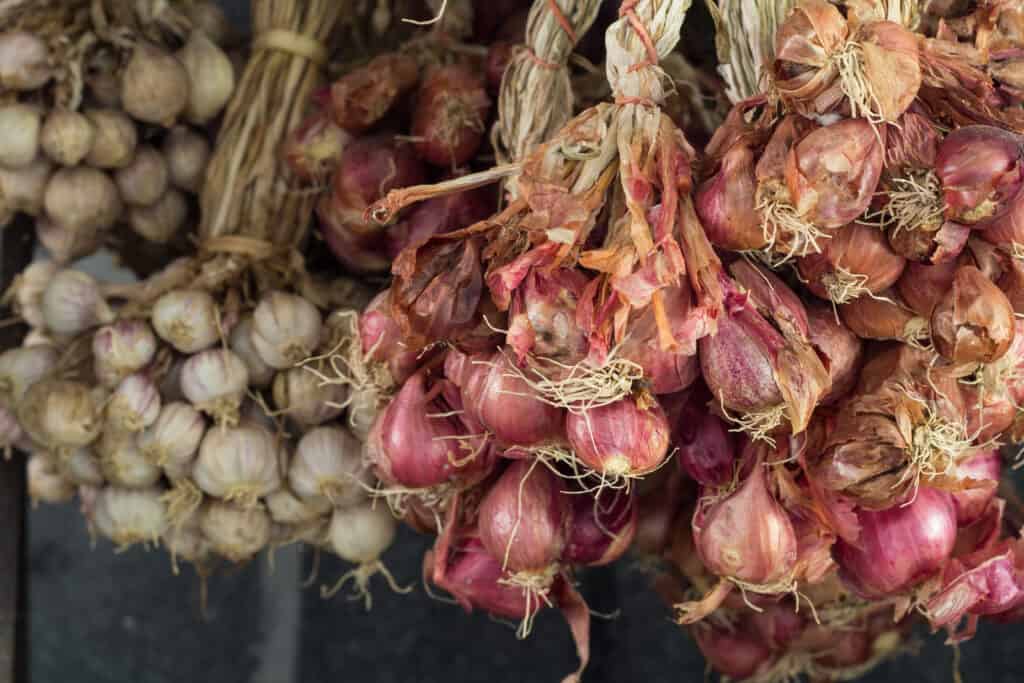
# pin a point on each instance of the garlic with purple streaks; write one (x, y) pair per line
(174, 436)
(186, 319)
(121, 348)
(327, 465)
(129, 516)
(215, 382)
(134, 405)
(285, 330)
(234, 532)
(72, 303)
(238, 464)
(307, 401)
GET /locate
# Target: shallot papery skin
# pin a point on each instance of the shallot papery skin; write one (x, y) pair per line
(473, 577)
(450, 118)
(672, 369)
(984, 468)
(415, 445)
(987, 583)
(974, 322)
(504, 403)
(381, 338)
(981, 172)
(603, 526)
(726, 206)
(312, 150)
(900, 546)
(922, 286)
(360, 98)
(524, 517)
(841, 349)
(854, 261)
(747, 535)
(621, 439)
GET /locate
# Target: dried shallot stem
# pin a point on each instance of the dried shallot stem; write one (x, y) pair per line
(384, 210)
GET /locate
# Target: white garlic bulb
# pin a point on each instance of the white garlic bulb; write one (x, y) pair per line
(121, 348)
(72, 303)
(22, 367)
(361, 533)
(238, 464)
(306, 400)
(236, 533)
(186, 319)
(82, 467)
(260, 374)
(129, 516)
(134, 405)
(61, 414)
(215, 382)
(287, 508)
(46, 482)
(328, 465)
(286, 329)
(174, 437)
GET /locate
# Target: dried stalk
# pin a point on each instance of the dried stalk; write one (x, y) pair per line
(248, 190)
(536, 94)
(745, 41)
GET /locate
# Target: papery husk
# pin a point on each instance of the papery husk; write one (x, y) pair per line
(884, 317)
(745, 41)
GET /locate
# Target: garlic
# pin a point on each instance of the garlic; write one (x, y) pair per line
(186, 319)
(82, 468)
(235, 533)
(154, 86)
(22, 367)
(362, 533)
(19, 144)
(209, 18)
(67, 136)
(123, 464)
(72, 303)
(187, 154)
(238, 464)
(185, 541)
(10, 432)
(23, 189)
(287, 508)
(134, 405)
(64, 244)
(260, 374)
(299, 394)
(24, 61)
(328, 465)
(121, 348)
(215, 382)
(60, 414)
(144, 180)
(115, 140)
(175, 435)
(45, 480)
(27, 291)
(286, 329)
(162, 221)
(211, 77)
(82, 199)
(128, 516)
(37, 337)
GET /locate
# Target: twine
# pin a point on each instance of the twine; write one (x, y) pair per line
(563, 21)
(292, 43)
(627, 10)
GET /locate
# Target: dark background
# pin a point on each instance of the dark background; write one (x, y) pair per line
(100, 617)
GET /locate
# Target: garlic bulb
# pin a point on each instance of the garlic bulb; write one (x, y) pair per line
(174, 437)
(186, 319)
(22, 367)
(82, 199)
(134, 405)
(24, 61)
(19, 144)
(260, 374)
(115, 139)
(46, 482)
(154, 86)
(209, 18)
(238, 464)
(187, 154)
(61, 414)
(185, 541)
(143, 181)
(23, 189)
(215, 382)
(72, 303)
(235, 533)
(211, 77)
(27, 291)
(301, 396)
(128, 516)
(65, 244)
(286, 329)
(82, 467)
(328, 465)
(120, 349)
(161, 221)
(67, 136)
(362, 533)
(123, 463)
(287, 508)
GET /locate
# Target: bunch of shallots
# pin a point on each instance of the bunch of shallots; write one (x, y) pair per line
(109, 119)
